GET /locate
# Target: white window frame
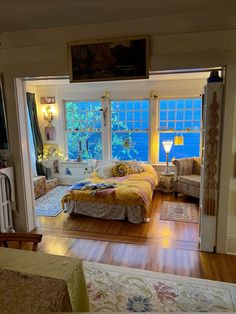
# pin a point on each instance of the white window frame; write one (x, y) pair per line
(140, 131)
(178, 131)
(106, 130)
(78, 131)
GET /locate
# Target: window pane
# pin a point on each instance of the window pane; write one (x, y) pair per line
(190, 148)
(163, 104)
(130, 115)
(127, 146)
(83, 123)
(180, 104)
(137, 105)
(171, 115)
(188, 104)
(171, 104)
(196, 125)
(196, 115)
(163, 115)
(130, 130)
(171, 125)
(188, 115)
(181, 114)
(163, 126)
(197, 103)
(145, 115)
(94, 145)
(179, 126)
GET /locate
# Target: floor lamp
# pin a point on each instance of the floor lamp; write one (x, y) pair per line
(167, 147)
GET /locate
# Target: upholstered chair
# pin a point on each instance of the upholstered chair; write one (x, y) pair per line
(188, 176)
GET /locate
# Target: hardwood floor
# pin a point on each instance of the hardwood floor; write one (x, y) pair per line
(157, 232)
(164, 246)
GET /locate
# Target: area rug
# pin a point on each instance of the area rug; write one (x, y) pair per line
(50, 203)
(186, 212)
(121, 289)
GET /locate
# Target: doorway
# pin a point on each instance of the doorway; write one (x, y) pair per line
(161, 166)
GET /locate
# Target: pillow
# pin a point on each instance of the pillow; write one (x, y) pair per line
(104, 170)
(120, 169)
(134, 167)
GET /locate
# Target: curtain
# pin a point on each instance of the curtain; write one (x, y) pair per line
(37, 138)
(31, 146)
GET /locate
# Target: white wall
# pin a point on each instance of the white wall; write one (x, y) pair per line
(44, 52)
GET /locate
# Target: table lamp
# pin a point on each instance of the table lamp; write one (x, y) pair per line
(167, 147)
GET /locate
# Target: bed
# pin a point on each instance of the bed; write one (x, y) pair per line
(128, 197)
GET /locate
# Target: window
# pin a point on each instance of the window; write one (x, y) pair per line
(180, 117)
(130, 127)
(83, 129)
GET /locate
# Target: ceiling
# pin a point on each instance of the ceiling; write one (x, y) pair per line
(17, 15)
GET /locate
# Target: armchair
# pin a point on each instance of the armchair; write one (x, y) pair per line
(188, 176)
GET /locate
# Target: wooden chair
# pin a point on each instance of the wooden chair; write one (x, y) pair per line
(20, 238)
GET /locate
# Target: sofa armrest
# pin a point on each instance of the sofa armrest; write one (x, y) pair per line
(184, 166)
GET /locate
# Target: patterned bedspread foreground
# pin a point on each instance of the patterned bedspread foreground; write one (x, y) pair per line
(130, 197)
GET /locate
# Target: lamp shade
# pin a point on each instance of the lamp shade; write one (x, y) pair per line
(167, 146)
(178, 140)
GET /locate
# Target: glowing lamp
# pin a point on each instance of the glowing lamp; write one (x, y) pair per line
(167, 147)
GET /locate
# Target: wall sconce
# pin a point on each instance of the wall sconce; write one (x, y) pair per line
(48, 114)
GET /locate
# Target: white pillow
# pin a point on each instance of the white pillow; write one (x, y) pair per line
(104, 170)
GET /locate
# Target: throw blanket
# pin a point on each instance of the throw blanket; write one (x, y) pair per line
(96, 187)
(133, 189)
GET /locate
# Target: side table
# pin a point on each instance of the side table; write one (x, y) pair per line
(167, 182)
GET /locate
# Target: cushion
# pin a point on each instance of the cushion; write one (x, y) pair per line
(190, 179)
(134, 167)
(105, 171)
(120, 169)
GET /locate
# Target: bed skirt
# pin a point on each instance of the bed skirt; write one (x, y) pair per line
(135, 214)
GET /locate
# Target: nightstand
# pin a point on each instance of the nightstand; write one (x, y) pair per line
(167, 182)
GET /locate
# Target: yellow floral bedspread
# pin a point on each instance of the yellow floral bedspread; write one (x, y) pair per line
(133, 189)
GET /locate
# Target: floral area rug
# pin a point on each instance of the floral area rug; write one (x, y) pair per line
(121, 289)
(49, 204)
(177, 211)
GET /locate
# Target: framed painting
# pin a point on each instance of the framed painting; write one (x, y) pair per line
(4, 144)
(50, 133)
(119, 59)
(47, 100)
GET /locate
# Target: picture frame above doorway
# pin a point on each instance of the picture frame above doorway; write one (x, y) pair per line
(107, 60)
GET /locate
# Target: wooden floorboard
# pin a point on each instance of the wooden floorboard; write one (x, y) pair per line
(170, 247)
(167, 233)
(168, 260)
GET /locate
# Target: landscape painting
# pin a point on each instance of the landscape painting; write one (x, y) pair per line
(121, 59)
